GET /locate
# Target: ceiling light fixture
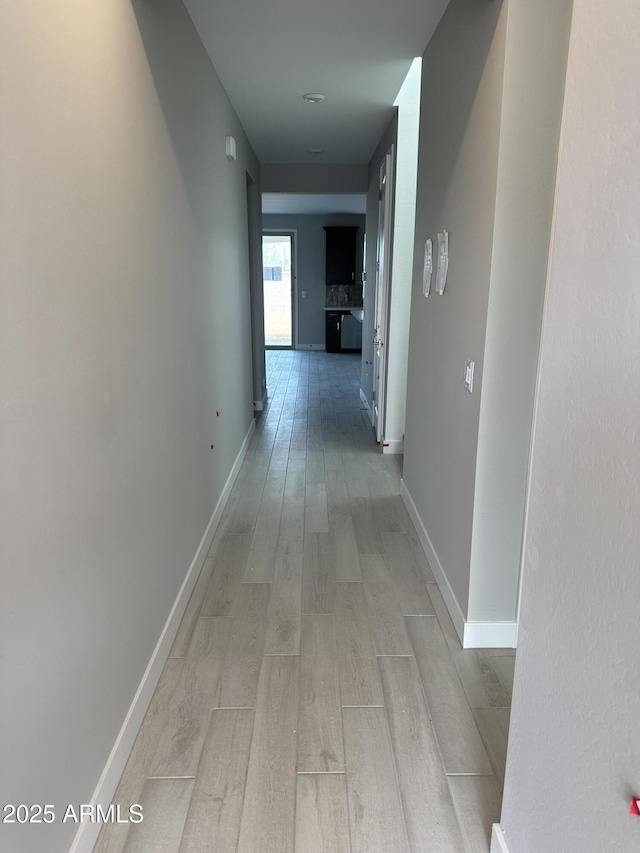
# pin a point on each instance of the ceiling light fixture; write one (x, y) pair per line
(314, 97)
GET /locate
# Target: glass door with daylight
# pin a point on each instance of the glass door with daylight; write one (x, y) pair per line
(278, 283)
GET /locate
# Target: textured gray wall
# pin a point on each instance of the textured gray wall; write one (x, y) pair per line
(534, 73)
(573, 760)
(125, 325)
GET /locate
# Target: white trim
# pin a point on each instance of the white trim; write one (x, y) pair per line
(498, 841)
(490, 635)
(472, 635)
(384, 238)
(309, 346)
(455, 611)
(258, 405)
(393, 445)
(364, 400)
(87, 834)
(296, 294)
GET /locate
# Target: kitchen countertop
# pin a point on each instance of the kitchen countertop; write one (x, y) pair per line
(356, 310)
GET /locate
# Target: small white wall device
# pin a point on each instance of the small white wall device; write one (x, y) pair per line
(230, 146)
(469, 367)
(443, 261)
(428, 267)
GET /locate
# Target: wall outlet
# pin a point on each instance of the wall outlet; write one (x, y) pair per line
(468, 374)
(303, 294)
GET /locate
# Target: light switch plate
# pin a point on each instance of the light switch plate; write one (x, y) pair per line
(468, 374)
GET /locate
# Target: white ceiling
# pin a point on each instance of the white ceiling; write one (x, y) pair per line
(268, 53)
(307, 203)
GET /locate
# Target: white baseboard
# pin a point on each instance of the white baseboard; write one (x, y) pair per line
(455, 611)
(258, 405)
(498, 842)
(87, 834)
(393, 446)
(490, 635)
(310, 346)
(366, 405)
(473, 635)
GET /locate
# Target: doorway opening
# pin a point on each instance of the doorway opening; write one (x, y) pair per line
(278, 282)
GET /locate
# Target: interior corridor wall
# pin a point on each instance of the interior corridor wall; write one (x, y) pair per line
(124, 326)
(493, 80)
(462, 79)
(534, 72)
(573, 761)
(314, 178)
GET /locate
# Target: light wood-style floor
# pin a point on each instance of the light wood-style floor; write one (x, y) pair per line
(317, 698)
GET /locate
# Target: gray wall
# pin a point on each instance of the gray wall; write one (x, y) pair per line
(573, 749)
(535, 68)
(491, 107)
(125, 324)
(311, 267)
(316, 178)
(462, 76)
(388, 139)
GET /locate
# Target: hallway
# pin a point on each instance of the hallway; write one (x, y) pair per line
(291, 713)
(254, 646)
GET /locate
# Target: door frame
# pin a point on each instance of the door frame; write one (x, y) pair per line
(293, 233)
(384, 239)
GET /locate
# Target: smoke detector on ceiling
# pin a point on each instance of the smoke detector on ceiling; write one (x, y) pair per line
(314, 97)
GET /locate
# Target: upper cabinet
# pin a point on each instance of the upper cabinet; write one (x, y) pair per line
(341, 254)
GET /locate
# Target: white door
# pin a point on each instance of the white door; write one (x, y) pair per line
(383, 267)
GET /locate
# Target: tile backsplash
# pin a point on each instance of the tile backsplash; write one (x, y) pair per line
(343, 294)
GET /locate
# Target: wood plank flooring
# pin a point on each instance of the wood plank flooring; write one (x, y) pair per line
(316, 698)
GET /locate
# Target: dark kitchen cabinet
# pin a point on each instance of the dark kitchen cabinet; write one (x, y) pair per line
(343, 333)
(333, 323)
(341, 254)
